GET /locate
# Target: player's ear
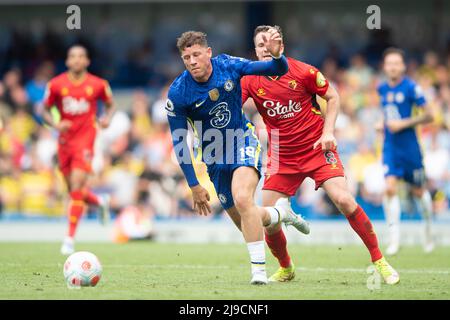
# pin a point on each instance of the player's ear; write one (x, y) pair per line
(404, 66)
(209, 52)
(282, 48)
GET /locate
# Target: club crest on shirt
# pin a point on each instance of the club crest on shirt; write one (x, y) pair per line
(89, 90)
(222, 198)
(228, 86)
(292, 84)
(214, 94)
(260, 92)
(399, 97)
(64, 91)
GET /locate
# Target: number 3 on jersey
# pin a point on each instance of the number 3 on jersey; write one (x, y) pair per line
(222, 115)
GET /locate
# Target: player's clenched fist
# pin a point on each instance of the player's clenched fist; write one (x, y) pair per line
(63, 125)
(273, 42)
(200, 197)
(104, 122)
(327, 141)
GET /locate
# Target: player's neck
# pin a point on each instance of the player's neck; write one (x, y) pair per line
(76, 77)
(393, 82)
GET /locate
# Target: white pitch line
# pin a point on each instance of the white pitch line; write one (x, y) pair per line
(413, 271)
(305, 269)
(199, 266)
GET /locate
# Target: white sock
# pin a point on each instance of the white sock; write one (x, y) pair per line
(392, 212)
(425, 206)
(68, 241)
(275, 215)
(257, 256)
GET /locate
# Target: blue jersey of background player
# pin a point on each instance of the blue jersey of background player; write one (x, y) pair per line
(401, 151)
(208, 94)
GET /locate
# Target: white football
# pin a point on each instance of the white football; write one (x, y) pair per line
(82, 269)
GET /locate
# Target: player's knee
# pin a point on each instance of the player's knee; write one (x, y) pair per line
(417, 192)
(345, 202)
(243, 202)
(75, 184)
(390, 191)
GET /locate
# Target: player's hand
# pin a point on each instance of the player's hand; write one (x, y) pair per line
(327, 141)
(379, 126)
(104, 122)
(395, 126)
(63, 125)
(200, 197)
(273, 42)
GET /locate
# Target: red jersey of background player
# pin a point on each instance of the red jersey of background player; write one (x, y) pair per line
(290, 111)
(77, 102)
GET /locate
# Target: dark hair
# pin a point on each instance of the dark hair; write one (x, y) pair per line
(265, 28)
(393, 50)
(78, 46)
(190, 38)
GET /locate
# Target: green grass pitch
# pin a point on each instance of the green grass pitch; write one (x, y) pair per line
(218, 271)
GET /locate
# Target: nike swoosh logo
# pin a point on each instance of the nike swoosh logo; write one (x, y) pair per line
(199, 104)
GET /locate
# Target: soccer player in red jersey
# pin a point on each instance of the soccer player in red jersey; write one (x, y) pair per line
(75, 93)
(302, 144)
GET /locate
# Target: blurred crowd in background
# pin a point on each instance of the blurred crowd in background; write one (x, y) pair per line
(134, 160)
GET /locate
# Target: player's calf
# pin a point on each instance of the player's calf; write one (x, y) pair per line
(345, 202)
(75, 211)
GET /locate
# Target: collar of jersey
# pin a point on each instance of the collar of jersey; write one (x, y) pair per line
(397, 85)
(273, 78)
(76, 82)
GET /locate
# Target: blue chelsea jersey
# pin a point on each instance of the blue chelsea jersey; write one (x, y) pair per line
(398, 103)
(215, 104)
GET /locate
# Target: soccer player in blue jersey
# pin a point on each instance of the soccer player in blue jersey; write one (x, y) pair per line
(208, 96)
(402, 156)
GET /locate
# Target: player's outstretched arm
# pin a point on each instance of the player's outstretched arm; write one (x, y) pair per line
(275, 67)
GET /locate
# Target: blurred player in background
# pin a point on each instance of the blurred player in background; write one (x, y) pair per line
(306, 148)
(208, 95)
(75, 94)
(402, 156)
